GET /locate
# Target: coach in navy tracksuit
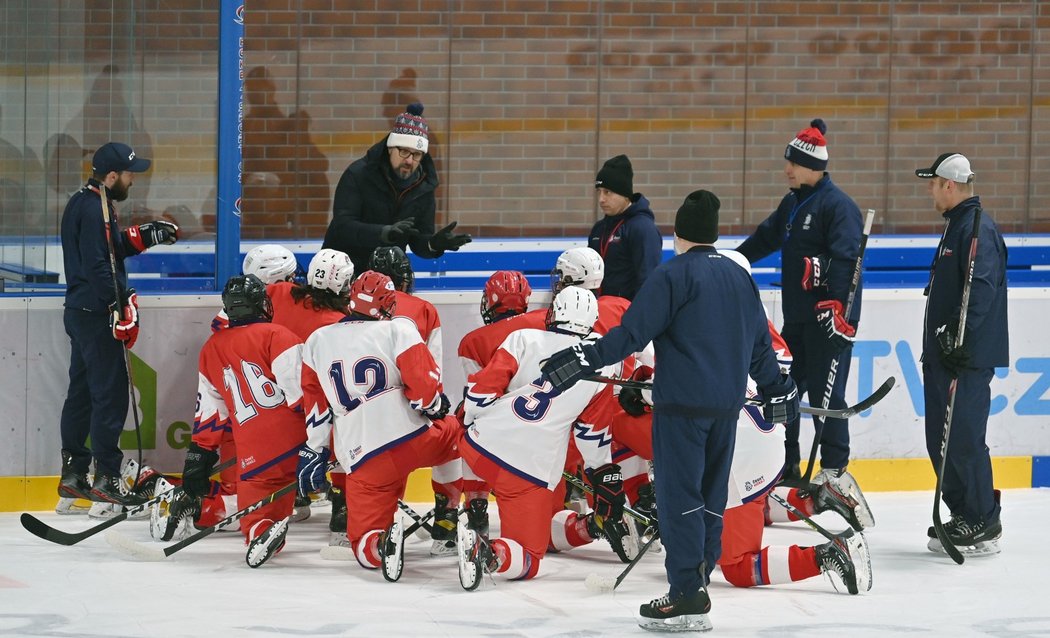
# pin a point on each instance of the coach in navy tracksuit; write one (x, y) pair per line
(817, 228)
(705, 318)
(967, 480)
(97, 400)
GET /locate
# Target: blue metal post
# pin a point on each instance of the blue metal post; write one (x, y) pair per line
(230, 141)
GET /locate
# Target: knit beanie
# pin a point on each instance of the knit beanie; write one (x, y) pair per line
(697, 218)
(809, 148)
(617, 176)
(410, 129)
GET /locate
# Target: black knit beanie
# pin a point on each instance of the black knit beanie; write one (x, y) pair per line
(697, 218)
(617, 175)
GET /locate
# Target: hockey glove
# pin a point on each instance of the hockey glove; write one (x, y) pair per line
(815, 272)
(953, 358)
(780, 401)
(197, 470)
(438, 408)
(125, 321)
(400, 232)
(150, 234)
(312, 470)
(607, 482)
(565, 368)
(840, 332)
(445, 239)
(632, 403)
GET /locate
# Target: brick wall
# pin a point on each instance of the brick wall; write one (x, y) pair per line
(526, 98)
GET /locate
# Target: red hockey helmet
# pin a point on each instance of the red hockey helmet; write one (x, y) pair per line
(506, 292)
(372, 295)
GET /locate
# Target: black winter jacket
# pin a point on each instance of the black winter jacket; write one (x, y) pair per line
(366, 199)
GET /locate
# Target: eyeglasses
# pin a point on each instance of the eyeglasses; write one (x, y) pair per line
(405, 153)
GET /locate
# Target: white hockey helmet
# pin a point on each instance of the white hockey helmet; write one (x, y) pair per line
(330, 270)
(270, 263)
(580, 266)
(737, 258)
(574, 310)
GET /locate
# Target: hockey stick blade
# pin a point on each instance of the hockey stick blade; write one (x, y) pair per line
(40, 529)
(846, 413)
(604, 584)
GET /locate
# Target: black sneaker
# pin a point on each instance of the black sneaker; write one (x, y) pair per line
(73, 483)
(684, 613)
(108, 488)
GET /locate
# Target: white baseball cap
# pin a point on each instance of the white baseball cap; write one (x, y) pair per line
(952, 166)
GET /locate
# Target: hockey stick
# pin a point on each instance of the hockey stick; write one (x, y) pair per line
(802, 517)
(341, 553)
(40, 529)
(420, 521)
(146, 553)
(572, 479)
(120, 308)
(833, 372)
(844, 413)
(602, 584)
(938, 524)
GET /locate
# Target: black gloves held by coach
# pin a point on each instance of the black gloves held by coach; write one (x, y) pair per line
(780, 401)
(150, 234)
(953, 357)
(566, 367)
(445, 239)
(196, 472)
(400, 232)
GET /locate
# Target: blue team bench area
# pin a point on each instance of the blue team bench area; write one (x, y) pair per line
(897, 261)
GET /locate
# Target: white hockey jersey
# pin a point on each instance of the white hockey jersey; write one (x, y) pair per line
(758, 458)
(369, 379)
(522, 423)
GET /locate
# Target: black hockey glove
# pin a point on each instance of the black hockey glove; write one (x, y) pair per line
(152, 233)
(565, 368)
(815, 272)
(197, 470)
(955, 359)
(445, 239)
(400, 232)
(840, 332)
(780, 401)
(312, 470)
(438, 409)
(607, 482)
(632, 403)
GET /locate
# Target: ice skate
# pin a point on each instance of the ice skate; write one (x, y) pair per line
(392, 551)
(829, 496)
(846, 558)
(685, 613)
(446, 520)
(980, 539)
(267, 544)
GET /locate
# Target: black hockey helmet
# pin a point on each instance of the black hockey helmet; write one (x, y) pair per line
(394, 263)
(244, 300)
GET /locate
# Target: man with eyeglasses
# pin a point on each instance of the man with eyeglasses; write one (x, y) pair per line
(386, 198)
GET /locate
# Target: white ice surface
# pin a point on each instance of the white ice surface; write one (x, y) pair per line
(207, 590)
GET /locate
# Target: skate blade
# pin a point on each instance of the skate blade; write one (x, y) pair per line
(861, 557)
(983, 548)
(688, 622)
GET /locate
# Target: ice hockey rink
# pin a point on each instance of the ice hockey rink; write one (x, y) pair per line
(206, 589)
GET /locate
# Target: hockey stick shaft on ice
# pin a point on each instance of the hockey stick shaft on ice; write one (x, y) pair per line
(833, 371)
(144, 552)
(938, 524)
(845, 413)
(39, 528)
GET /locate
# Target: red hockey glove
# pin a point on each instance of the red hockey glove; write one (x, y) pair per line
(815, 272)
(125, 321)
(839, 331)
(152, 233)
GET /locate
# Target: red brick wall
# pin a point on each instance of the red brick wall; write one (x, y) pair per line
(526, 99)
